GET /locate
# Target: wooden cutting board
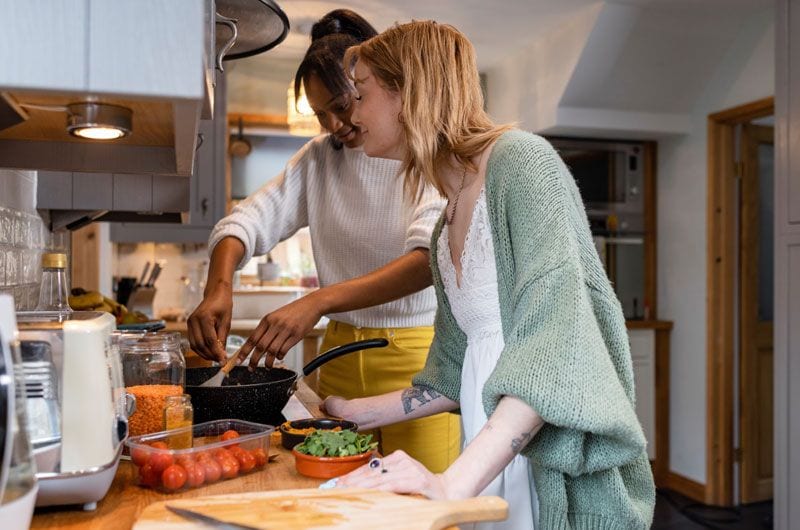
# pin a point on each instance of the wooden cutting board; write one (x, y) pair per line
(338, 508)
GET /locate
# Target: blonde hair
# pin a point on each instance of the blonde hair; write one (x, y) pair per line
(434, 69)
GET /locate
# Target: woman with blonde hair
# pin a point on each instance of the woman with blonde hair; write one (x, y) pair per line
(530, 340)
(370, 248)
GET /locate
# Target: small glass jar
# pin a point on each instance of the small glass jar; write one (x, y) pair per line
(178, 413)
(153, 368)
(54, 290)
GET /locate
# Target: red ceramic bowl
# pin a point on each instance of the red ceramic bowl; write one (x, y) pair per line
(328, 466)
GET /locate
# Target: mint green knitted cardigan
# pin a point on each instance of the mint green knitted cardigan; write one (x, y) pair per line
(566, 346)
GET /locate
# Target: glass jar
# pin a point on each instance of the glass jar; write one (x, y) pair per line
(54, 290)
(153, 368)
(178, 413)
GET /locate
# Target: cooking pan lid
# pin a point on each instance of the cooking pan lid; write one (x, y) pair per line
(261, 26)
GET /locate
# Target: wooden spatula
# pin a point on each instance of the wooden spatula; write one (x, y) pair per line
(219, 377)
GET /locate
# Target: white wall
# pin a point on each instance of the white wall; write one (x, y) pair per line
(745, 74)
(528, 88)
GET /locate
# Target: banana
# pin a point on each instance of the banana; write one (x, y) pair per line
(86, 301)
(104, 307)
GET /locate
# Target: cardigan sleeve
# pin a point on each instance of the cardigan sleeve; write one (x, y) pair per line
(566, 352)
(275, 211)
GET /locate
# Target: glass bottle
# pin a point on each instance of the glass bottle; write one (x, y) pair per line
(178, 413)
(54, 292)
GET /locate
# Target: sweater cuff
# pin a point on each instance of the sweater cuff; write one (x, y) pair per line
(231, 230)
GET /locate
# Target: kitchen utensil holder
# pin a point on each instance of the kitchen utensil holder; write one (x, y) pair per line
(141, 300)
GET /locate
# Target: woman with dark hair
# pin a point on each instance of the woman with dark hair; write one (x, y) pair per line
(370, 247)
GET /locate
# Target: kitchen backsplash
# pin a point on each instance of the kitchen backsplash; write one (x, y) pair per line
(184, 268)
(23, 238)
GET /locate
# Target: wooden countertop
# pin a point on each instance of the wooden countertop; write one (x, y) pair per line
(125, 500)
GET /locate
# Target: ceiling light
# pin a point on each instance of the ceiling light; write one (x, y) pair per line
(98, 121)
(299, 114)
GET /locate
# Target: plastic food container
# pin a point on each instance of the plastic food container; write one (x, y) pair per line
(221, 450)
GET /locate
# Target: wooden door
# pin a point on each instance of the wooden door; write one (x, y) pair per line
(755, 314)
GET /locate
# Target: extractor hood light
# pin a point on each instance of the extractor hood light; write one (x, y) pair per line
(98, 121)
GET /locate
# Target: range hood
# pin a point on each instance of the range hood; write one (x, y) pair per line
(77, 199)
(74, 220)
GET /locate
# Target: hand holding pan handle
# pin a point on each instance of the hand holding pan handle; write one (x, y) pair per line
(333, 353)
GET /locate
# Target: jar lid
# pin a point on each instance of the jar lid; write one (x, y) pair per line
(148, 342)
(54, 260)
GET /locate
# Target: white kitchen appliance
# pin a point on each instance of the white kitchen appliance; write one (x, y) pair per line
(77, 404)
(18, 486)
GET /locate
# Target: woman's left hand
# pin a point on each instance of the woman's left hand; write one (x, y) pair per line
(398, 473)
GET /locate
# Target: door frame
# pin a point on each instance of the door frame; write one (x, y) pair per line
(753, 334)
(722, 233)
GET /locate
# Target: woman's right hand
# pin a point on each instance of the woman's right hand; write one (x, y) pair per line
(209, 324)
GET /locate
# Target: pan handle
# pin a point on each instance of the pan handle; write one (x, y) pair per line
(344, 349)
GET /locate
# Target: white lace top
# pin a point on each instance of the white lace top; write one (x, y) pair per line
(476, 307)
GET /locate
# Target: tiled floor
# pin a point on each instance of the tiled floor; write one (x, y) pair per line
(676, 512)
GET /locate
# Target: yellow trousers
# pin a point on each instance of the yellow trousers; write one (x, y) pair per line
(435, 440)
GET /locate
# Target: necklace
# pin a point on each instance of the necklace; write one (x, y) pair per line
(449, 217)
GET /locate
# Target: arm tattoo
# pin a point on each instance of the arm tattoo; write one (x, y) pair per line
(417, 393)
(517, 444)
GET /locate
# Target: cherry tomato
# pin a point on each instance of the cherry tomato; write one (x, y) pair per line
(229, 435)
(174, 477)
(148, 476)
(185, 461)
(220, 453)
(235, 450)
(161, 461)
(195, 475)
(260, 455)
(140, 456)
(159, 445)
(246, 461)
(230, 467)
(212, 469)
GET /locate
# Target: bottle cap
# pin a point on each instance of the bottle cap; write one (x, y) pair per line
(53, 260)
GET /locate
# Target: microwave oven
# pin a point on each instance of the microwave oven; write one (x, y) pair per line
(610, 177)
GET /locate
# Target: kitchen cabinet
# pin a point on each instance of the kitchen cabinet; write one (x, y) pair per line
(643, 349)
(650, 342)
(150, 56)
(205, 192)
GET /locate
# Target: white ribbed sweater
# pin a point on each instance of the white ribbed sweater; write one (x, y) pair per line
(354, 208)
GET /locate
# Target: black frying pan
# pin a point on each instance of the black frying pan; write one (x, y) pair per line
(257, 396)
